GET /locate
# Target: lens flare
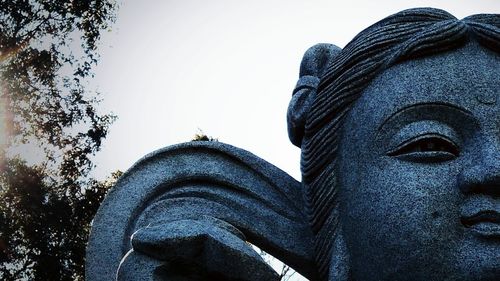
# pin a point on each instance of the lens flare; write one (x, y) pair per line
(7, 54)
(5, 125)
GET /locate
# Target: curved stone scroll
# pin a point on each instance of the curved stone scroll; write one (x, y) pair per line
(200, 179)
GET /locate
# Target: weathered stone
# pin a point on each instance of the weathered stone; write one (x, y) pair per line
(400, 140)
(197, 203)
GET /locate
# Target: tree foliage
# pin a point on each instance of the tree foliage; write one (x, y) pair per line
(45, 233)
(201, 136)
(47, 51)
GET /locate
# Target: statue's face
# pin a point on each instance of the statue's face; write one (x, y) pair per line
(419, 171)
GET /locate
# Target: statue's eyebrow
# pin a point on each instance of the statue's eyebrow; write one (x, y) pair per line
(425, 104)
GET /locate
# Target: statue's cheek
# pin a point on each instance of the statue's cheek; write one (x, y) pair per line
(401, 209)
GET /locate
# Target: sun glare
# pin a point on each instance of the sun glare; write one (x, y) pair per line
(4, 124)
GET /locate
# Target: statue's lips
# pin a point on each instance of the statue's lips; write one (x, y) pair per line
(485, 223)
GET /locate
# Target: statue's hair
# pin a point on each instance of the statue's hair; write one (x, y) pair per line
(408, 34)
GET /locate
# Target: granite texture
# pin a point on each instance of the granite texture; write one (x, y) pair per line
(423, 202)
(194, 205)
(400, 139)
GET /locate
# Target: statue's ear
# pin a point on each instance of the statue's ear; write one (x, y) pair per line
(339, 264)
(196, 180)
(314, 64)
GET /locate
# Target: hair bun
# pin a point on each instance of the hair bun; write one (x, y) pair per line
(314, 64)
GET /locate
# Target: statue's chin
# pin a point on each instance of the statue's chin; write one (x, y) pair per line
(475, 260)
(477, 257)
(480, 263)
(479, 274)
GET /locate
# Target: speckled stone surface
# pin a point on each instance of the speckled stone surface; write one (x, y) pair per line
(192, 207)
(423, 203)
(400, 140)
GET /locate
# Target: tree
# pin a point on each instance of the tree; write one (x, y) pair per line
(47, 51)
(44, 234)
(201, 136)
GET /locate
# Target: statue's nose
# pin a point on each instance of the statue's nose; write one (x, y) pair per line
(483, 176)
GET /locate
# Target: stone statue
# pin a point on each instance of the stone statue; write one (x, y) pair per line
(400, 140)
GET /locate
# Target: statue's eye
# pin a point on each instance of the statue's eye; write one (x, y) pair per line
(427, 148)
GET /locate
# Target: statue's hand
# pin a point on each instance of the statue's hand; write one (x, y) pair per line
(206, 249)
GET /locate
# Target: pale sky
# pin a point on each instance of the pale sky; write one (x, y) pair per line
(227, 67)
